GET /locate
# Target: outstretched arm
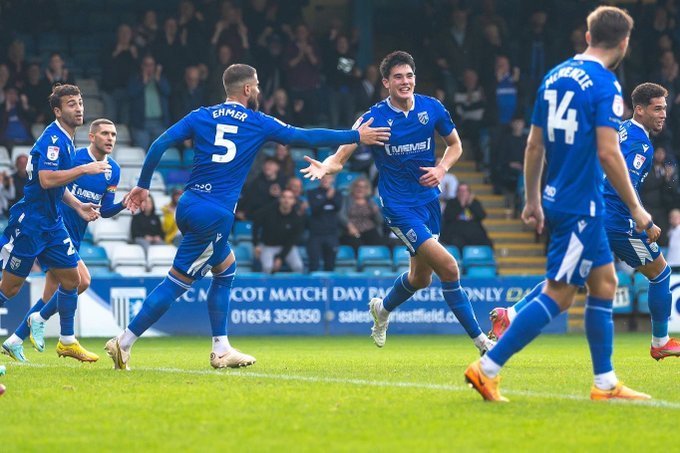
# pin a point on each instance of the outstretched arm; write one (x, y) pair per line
(331, 165)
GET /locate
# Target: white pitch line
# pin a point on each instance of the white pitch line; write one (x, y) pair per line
(374, 383)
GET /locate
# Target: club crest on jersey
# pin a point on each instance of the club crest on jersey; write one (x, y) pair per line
(14, 263)
(52, 152)
(639, 161)
(411, 235)
(423, 118)
(617, 105)
(107, 175)
(584, 270)
(653, 247)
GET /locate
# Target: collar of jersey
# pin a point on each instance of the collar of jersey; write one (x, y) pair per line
(413, 106)
(64, 131)
(582, 56)
(632, 120)
(94, 159)
(235, 102)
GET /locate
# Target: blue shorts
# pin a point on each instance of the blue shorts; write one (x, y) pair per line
(415, 225)
(21, 246)
(577, 245)
(633, 247)
(205, 227)
(75, 240)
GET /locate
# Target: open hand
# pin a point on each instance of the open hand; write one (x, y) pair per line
(373, 135)
(136, 197)
(89, 211)
(318, 170)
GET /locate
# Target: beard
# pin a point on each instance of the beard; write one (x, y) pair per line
(253, 103)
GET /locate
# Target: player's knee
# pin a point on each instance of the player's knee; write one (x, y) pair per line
(10, 290)
(449, 272)
(605, 287)
(85, 281)
(71, 282)
(420, 281)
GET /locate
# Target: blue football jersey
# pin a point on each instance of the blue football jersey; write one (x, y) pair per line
(411, 146)
(39, 208)
(638, 152)
(574, 99)
(226, 140)
(98, 189)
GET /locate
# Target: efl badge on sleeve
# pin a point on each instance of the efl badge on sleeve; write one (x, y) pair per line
(638, 161)
(53, 152)
(423, 118)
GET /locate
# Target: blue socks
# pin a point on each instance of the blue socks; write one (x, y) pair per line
(23, 330)
(660, 302)
(459, 304)
(157, 303)
(67, 302)
(50, 308)
(526, 326)
(400, 292)
(533, 294)
(3, 299)
(600, 333)
(219, 295)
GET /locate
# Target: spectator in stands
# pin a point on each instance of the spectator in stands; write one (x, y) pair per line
(57, 72)
(673, 254)
(147, 31)
(510, 154)
(189, 95)
(15, 120)
(7, 193)
(295, 186)
(262, 190)
(170, 229)
(369, 88)
(18, 179)
(448, 187)
(536, 56)
(668, 75)
(462, 220)
(303, 74)
(215, 90)
(118, 65)
(231, 30)
(659, 188)
(276, 229)
(149, 92)
(192, 28)
(342, 79)
(4, 81)
(325, 203)
(170, 50)
(145, 228)
(283, 157)
(360, 216)
(37, 89)
(491, 47)
(271, 65)
(469, 106)
(279, 107)
(16, 62)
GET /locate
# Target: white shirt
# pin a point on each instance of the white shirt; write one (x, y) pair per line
(673, 255)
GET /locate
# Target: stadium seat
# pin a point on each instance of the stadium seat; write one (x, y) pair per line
(481, 272)
(110, 246)
(344, 179)
(160, 256)
(188, 158)
(123, 137)
(18, 150)
(298, 154)
(111, 230)
(171, 159)
(160, 199)
(128, 255)
(374, 255)
(345, 257)
(643, 303)
(454, 251)
(478, 255)
(244, 255)
(94, 255)
(400, 257)
(323, 153)
(243, 231)
(640, 283)
(94, 108)
(378, 271)
(88, 87)
(623, 301)
(158, 271)
(4, 157)
(82, 137)
(36, 130)
(101, 271)
(131, 271)
(129, 155)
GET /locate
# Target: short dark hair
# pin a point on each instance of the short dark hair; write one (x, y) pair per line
(60, 91)
(645, 92)
(608, 26)
(94, 126)
(396, 58)
(235, 75)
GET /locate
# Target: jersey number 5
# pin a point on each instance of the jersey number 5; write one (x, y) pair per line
(220, 130)
(560, 116)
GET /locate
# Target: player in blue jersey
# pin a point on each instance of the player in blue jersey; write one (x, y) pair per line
(99, 189)
(575, 127)
(36, 227)
(226, 138)
(409, 194)
(649, 104)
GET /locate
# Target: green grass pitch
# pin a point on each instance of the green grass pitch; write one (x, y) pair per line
(335, 394)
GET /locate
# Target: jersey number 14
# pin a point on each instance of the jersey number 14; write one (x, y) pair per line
(220, 130)
(560, 116)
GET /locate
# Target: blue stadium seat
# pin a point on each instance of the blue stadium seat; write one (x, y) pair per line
(345, 259)
(374, 255)
(298, 154)
(323, 153)
(643, 303)
(345, 178)
(94, 255)
(243, 231)
(623, 302)
(171, 159)
(481, 271)
(378, 271)
(454, 251)
(640, 283)
(303, 254)
(400, 257)
(478, 255)
(244, 256)
(188, 158)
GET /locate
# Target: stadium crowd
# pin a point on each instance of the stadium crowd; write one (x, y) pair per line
(482, 59)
